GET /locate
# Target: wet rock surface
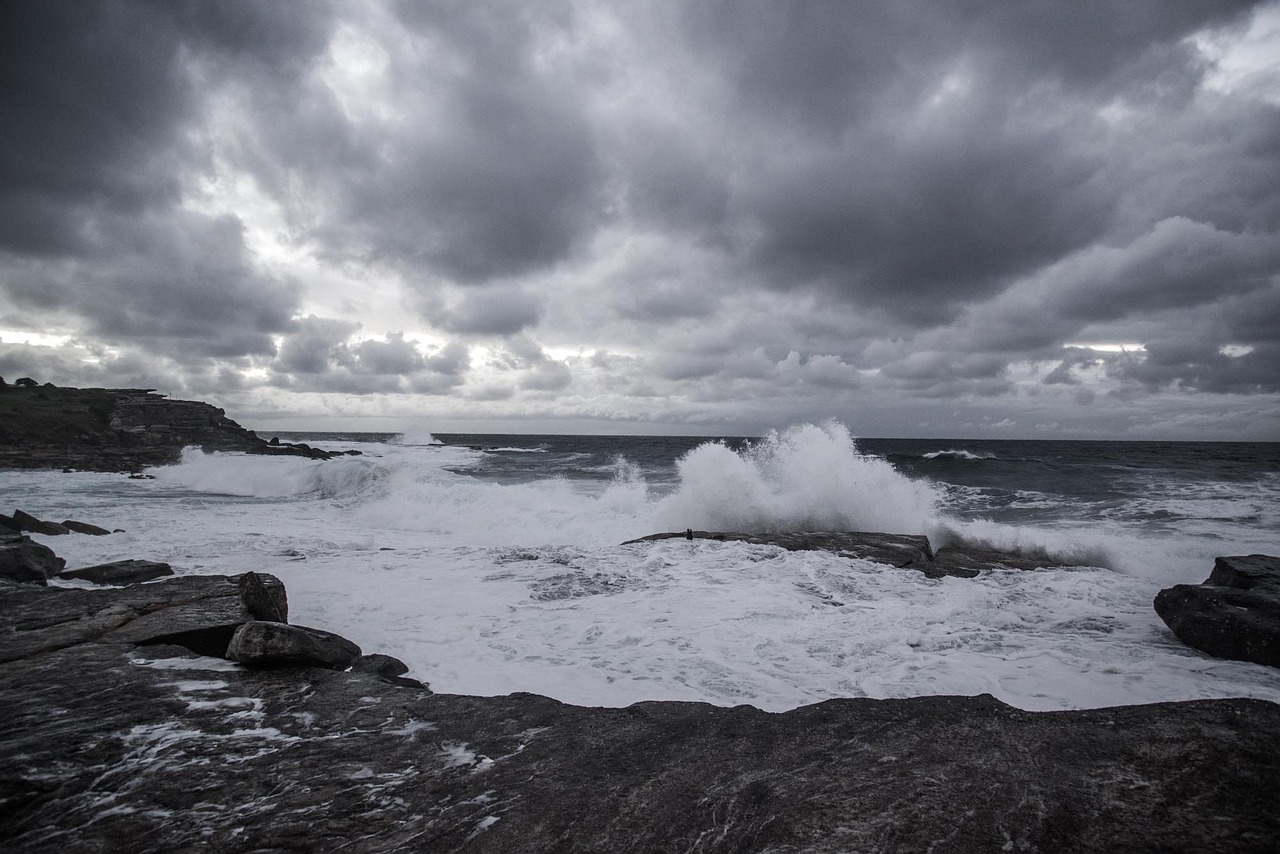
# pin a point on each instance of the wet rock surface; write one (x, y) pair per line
(119, 739)
(24, 561)
(99, 429)
(120, 572)
(905, 551)
(1234, 613)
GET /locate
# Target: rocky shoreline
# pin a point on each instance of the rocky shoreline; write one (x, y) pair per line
(187, 712)
(146, 712)
(118, 430)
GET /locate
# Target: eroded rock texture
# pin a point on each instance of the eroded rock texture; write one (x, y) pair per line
(112, 745)
(117, 429)
(905, 551)
(1234, 613)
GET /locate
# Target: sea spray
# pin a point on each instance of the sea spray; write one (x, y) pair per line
(257, 476)
(807, 477)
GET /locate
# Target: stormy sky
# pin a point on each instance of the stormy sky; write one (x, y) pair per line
(962, 219)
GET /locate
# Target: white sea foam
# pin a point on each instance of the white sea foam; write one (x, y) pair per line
(271, 476)
(415, 439)
(805, 478)
(489, 588)
(957, 455)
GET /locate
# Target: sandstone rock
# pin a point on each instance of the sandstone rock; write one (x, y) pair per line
(905, 551)
(382, 665)
(120, 572)
(118, 430)
(263, 644)
(27, 522)
(1234, 614)
(200, 613)
(28, 562)
(156, 750)
(84, 528)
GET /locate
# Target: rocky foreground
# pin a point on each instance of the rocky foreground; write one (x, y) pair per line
(127, 728)
(119, 429)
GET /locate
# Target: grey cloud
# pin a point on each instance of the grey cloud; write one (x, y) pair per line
(489, 311)
(314, 345)
(319, 354)
(99, 137)
(1203, 366)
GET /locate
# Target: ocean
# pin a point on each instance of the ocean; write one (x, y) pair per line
(494, 563)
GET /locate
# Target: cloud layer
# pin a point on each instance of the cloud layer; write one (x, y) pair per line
(919, 218)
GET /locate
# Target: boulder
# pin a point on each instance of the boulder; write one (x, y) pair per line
(26, 561)
(84, 528)
(9, 525)
(382, 665)
(120, 572)
(27, 522)
(1234, 613)
(264, 644)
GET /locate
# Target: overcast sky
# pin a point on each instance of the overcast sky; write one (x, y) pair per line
(957, 219)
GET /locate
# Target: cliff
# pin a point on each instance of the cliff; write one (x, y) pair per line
(116, 429)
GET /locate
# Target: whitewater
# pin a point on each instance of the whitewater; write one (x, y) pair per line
(497, 566)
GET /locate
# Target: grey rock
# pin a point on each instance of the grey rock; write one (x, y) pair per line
(968, 561)
(905, 551)
(27, 562)
(120, 572)
(1234, 614)
(156, 750)
(27, 522)
(198, 612)
(382, 665)
(119, 430)
(84, 528)
(264, 644)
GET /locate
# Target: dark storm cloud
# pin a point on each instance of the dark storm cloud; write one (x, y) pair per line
(100, 106)
(917, 155)
(922, 199)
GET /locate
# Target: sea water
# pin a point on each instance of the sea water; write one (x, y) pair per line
(492, 564)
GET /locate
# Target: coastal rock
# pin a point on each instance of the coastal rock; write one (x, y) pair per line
(27, 522)
(117, 430)
(27, 562)
(120, 572)
(265, 644)
(111, 746)
(382, 665)
(904, 551)
(9, 525)
(1234, 613)
(200, 613)
(197, 754)
(84, 528)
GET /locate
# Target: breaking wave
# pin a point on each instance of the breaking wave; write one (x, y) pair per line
(805, 478)
(957, 455)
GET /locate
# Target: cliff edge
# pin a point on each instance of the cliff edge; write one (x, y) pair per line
(116, 429)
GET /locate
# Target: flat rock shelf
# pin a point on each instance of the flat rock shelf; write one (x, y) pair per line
(116, 738)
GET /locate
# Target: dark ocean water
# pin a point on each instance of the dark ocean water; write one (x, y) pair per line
(1161, 486)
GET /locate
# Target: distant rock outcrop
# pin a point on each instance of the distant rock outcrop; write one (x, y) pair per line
(1234, 613)
(117, 429)
(905, 551)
